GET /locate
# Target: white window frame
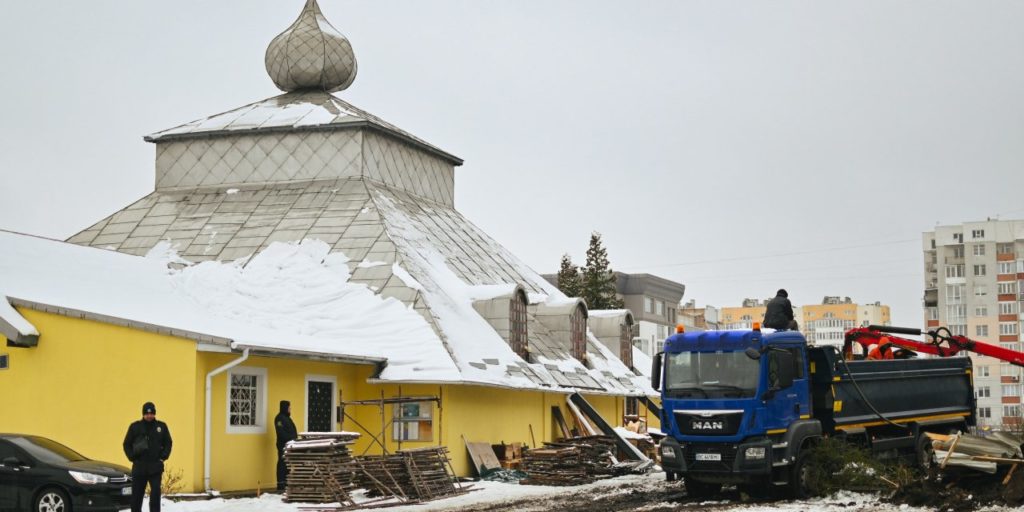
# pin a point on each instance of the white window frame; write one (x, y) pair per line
(977, 233)
(261, 401)
(648, 305)
(1007, 328)
(980, 310)
(980, 290)
(980, 270)
(979, 249)
(1007, 288)
(983, 371)
(1007, 308)
(981, 330)
(659, 308)
(984, 392)
(334, 398)
(1007, 267)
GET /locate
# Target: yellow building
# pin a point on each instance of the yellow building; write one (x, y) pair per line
(821, 324)
(301, 249)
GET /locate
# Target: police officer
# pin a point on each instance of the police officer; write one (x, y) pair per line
(147, 444)
(286, 431)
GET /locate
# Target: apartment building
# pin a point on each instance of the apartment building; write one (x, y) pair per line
(973, 286)
(821, 324)
(699, 319)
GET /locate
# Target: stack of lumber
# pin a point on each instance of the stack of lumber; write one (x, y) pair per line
(418, 475)
(574, 461)
(320, 468)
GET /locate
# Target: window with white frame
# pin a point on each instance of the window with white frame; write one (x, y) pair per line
(958, 330)
(247, 400)
(413, 421)
(955, 293)
(659, 308)
(1007, 308)
(979, 249)
(979, 270)
(980, 310)
(1012, 411)
(977, 233)
(1004, 248)
(980, 290)
(1007, 267)
(959, 238)
(1010, 346)
(983, 371)
(1005, 370)
(956, 313)
(1007, 328)
(981, 330)
(1011, 390)
(933, 314)
(648, 305)
(983, 392)
(1008, 288)
(1020, 265)
(984, 412)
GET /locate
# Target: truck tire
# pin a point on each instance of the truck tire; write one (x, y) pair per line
(799, 477)
(700, 490)
(924, 453)
(671, 476)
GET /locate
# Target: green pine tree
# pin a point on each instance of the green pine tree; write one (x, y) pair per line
(598, 280)
(569, 278)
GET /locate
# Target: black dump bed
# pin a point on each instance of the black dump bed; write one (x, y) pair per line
(903, 390)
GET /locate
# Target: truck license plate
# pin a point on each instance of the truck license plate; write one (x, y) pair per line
(125, 491)
(709, 456)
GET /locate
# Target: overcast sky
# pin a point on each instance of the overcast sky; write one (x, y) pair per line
(736, 147)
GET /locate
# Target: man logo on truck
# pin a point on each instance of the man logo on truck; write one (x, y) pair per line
(707, 425)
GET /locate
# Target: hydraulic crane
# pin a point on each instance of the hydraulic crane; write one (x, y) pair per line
(943, 343)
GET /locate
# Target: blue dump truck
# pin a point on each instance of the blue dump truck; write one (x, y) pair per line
(745, 407)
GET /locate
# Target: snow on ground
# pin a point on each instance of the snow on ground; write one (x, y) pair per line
(494, 494)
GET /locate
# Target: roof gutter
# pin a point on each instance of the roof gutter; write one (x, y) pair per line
(209, 419)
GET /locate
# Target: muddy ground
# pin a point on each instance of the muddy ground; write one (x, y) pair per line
(970, 493)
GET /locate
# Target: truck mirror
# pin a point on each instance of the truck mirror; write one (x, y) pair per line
(753, 353)
(656, 371)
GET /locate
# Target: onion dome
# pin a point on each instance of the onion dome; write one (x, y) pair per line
(311, 55)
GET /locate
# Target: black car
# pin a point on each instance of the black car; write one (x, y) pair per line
(42, 475)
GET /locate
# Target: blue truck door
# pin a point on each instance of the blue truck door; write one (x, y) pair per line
(791, 403)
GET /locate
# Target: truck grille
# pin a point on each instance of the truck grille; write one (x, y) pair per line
(726, 452)
(693, 424)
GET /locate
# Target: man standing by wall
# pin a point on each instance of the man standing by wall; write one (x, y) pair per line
(285, 432)
(147, 444)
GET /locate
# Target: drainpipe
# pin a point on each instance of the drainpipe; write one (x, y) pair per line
(209, 385)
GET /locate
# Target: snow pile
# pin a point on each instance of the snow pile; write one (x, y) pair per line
(303, 289)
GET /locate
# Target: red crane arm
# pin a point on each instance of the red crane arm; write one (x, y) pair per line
(943, 343)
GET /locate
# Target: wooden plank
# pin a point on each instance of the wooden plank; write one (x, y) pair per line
(482, 456)
(556, 413)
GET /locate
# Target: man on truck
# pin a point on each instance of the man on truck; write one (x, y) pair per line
(779, 313)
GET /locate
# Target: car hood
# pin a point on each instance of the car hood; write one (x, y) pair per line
(97, 467)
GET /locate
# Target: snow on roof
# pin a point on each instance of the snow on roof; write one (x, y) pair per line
(12, 324)
(302, 110)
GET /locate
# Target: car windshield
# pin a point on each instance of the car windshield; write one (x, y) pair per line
(711, 374)
(47, 450)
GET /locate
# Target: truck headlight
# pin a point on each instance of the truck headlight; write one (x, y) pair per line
(88, 478)
(667, 452)
(754, 452)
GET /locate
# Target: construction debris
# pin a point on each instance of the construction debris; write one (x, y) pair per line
(976, 452)
(576, 461)
(321, 469)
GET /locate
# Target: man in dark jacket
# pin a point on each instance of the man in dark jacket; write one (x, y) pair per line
(285, 432)
(779, 314)
(147, 444)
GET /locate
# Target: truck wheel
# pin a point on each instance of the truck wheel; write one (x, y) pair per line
(700, 490)
(671, 476)
(800, 477)
(925, 453)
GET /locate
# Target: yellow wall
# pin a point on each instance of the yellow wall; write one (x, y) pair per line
(86, 382)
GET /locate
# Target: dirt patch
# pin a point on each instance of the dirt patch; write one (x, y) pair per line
(962, 491)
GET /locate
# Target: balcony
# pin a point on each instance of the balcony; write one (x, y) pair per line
(931, 297)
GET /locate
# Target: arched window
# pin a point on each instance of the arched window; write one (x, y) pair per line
(518, 335)
(578, 332)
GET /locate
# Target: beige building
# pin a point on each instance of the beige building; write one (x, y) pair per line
(973, 274)
(821, 324)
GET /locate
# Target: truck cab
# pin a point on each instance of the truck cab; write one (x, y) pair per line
(732, 402)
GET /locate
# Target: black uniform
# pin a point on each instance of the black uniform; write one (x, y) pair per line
(285, 432)
(147, 444)
(779, 313)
